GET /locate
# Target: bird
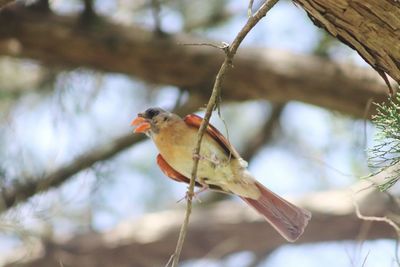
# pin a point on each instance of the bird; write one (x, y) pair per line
(220, 167)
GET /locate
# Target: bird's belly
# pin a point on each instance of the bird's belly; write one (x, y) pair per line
(216, 167)
(214, 164)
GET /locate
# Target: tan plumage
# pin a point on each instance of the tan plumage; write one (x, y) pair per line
(220, 167)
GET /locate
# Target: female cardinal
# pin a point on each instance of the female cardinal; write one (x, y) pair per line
(220, 167)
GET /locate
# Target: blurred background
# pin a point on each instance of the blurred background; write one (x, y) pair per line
(72, 171)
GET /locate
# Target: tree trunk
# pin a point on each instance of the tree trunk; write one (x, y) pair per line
(372, 27)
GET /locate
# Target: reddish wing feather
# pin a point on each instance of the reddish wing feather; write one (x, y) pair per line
(195, 121)
(169, 171)
(176, 176)
(285, 217)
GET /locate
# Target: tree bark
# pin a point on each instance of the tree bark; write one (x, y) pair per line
(219, 230)
(3, 3)
(257, 74)
(371, 27)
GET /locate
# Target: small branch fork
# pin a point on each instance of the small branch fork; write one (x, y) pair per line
(230, 52)
(380, 219)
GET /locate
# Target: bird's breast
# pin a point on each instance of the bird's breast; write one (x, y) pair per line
(177, 145)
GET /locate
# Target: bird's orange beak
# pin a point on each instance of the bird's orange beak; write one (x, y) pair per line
(142, 124)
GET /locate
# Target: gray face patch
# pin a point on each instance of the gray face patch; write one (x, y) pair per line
(150, 113)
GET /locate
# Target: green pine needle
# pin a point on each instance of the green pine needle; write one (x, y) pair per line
(386, 153)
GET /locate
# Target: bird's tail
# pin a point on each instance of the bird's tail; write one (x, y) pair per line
(288, 219)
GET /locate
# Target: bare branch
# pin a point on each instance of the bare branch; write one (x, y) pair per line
(366, 26)
(265, 133)
(156, 10)
(212, 103)
(89, 11)
(250, 8)
(377, 219)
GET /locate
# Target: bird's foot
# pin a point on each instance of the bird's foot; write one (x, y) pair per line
(213, 159)
(197, 156)
(194, 195)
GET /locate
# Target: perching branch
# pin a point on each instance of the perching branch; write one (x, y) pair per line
(230, 52)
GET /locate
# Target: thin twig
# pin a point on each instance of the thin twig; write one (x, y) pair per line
(156, 10)
(380, 219)
(250, 8)
(265, 133)
(224, 45)
(230, 53)
(365, 259)
(375, 218)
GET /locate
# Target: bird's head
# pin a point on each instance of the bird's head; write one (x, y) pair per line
(152, 120)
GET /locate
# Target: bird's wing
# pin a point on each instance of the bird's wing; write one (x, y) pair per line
(176, 176)
(169, 171)
(195, 121)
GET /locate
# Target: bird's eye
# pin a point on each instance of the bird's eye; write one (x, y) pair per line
(151, 112)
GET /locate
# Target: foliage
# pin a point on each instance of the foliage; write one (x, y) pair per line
(385, 155)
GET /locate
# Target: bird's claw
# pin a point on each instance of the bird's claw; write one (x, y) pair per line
(196, 156)
(193, 195)
(214, 160)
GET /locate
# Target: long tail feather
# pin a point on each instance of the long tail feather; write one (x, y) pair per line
(288, 219)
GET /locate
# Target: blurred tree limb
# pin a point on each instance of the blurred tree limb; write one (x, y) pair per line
(5, 2)
(227, 227)
(265, 133)
(371, 27)
(258, 73)
(22, 190)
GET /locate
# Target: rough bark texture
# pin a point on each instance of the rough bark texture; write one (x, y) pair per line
(217, 231)
(257, 74)
(5, 2)
(372, 27)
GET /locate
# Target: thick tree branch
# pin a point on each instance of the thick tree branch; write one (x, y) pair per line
(22, 191)
(258, 73)
(265, 133)
(231, 226)
(230, 52)
(3, 3)
(371, 27)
